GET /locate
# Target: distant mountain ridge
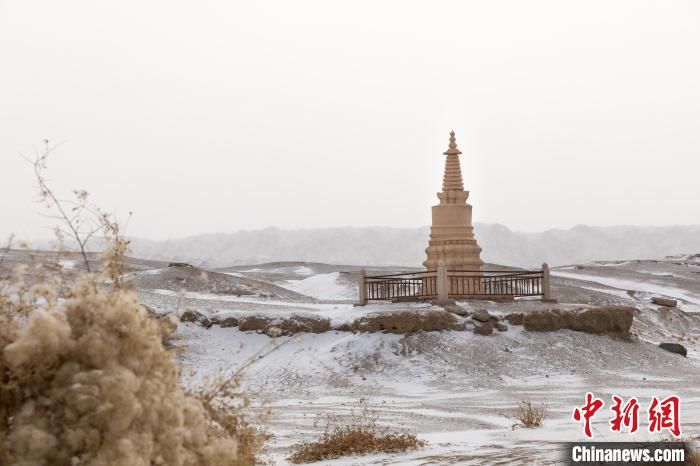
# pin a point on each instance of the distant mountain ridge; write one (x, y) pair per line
(405, 246)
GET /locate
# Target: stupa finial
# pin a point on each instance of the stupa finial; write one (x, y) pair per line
(452, 148)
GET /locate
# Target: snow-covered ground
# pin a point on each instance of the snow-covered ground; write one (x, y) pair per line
(637, 281)
(647, 286)
(323, 286)
(457, 390)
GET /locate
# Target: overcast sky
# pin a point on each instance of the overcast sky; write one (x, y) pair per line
(218, 116)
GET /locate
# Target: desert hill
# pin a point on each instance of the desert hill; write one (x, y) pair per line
(379, 246)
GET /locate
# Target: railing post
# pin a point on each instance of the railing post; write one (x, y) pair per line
(442, 283)
(363, 290)
(546, 284)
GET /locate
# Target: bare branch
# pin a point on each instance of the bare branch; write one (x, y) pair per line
(47, 195)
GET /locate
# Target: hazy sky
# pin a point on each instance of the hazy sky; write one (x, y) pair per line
(218, 116)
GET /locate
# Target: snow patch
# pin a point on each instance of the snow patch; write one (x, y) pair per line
(623, 284)
(323, 286)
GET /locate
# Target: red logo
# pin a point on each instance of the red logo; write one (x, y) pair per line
(662, 415)
(587, 411)
(665, 415)
(627, 416)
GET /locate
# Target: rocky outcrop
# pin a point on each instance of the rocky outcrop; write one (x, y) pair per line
(455, 309)
(195, 316)
(253, 323)
(515, 318)
(408, 322)
(180, 264)
(501, 327)
(484, 323)
(674, 348)
(666, 302)
(610, 320)
(274, 326)
(606, 320)
(484, 329)
(481, 315)
(304, 324)
(227, 322)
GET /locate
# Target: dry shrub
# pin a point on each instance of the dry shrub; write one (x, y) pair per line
(359, 436)
(88, 381)
(529, 416)
(85, 378)
(225, 402)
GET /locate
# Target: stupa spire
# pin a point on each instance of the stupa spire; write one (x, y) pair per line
(452, 179)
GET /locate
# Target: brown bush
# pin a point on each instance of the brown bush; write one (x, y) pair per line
(360, 436)
(529, 416)
(90, 379)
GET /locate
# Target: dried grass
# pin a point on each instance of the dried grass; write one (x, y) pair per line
(529, 416)
(359, 436)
